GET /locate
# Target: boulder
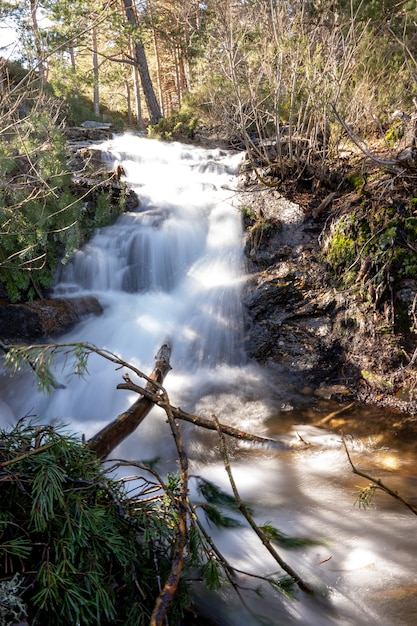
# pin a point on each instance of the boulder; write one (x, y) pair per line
(38, 320)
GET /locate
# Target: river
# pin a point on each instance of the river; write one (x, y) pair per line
(173, 270)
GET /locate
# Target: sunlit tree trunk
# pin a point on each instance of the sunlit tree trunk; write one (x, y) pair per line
(153, 107)
(96, 88)
(34, 4)
(138, 102)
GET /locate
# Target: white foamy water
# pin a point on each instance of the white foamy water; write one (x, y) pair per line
(173, 270)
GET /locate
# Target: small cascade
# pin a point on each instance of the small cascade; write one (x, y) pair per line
(173, 270)
(183, 245)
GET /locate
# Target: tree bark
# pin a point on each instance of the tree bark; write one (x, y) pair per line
(114, 433)
(96, 89)
(142, 65)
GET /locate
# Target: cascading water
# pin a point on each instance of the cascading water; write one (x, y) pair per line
(173, 270)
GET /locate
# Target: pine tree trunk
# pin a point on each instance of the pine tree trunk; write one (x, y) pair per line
(96, 93)
(142, 65)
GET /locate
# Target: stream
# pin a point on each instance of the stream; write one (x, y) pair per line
(173, 270)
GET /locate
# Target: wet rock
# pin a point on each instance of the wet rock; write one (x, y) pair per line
(333, 392)
(336, 343)
(35, 321)
(82, 134)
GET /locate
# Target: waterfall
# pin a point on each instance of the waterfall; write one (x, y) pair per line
(180, 252)
(173, 270)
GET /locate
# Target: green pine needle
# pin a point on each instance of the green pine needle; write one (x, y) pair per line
(285, 541)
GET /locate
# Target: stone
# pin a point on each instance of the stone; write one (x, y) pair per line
(35, 321)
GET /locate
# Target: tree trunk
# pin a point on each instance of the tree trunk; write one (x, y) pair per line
(34, 5)
(96, 96)
(142, 64)
(114, 433)
(137, 99)
(158, 61)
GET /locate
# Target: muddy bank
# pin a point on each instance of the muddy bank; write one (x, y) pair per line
(338, 343)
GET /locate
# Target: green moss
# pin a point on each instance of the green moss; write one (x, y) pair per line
(357, 181)
(405, 263)
(395, 133)
(410, 228)
(374, 380)
(387, 238)
(342, 246)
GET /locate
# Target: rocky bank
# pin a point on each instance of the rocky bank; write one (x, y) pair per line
(338, 343)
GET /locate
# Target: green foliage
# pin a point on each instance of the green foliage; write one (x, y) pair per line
(248, 213)
(211, 574)
(364, 495)
(177, 126)
(41, 218)
(284, 585)
(285, 541)
(89, 544)
(38, 213)
(215, 499)
(75, 537)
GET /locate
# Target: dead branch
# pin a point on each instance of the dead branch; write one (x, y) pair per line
(378, 483)
(391, 164)
(334, 414)
(166, 596)
(246, 514)
(202, 421)
(114, 433)
(25, 455)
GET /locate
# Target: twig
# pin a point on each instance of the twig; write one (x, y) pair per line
(333, 414)
(16, 459)
(202, 421)
(378, 482)
(244, 510)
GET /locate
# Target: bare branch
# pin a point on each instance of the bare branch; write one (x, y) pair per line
(378, 483)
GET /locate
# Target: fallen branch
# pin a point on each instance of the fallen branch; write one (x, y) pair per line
(334, 414)
(246, 514)
(390, 164)
(178, 413)
(114, 433)
(166, 596)
(378, 483)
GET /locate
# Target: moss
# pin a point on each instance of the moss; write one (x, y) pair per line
(374, 380)
(410, 228)
(358, 182)
(404, 262)
(342, 246)
(394, 133)
(387, 238)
